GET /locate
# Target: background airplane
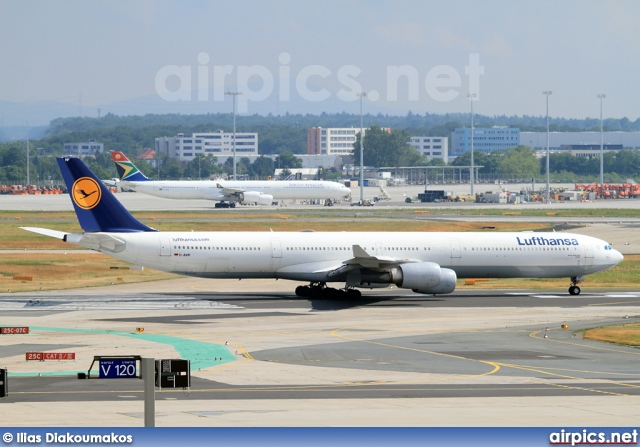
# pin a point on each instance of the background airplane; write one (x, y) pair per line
(425, 262)
(227, 193)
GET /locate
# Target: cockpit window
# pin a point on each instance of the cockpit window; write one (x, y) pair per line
(608, 247)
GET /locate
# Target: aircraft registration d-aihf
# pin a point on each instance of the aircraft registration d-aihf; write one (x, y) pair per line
(227, 193)
(426, 263)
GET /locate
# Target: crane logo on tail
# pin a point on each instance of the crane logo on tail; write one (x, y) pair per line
(86, 193)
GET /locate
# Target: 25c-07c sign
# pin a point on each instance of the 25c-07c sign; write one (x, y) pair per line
(117, 369)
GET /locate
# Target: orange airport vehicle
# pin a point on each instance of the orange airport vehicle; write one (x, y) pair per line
(611, 190)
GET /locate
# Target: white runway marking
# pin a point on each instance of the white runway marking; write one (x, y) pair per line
(623, 296)
(548, 296)
(123, 303)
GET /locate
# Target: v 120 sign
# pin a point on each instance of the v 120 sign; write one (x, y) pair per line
(117, 369)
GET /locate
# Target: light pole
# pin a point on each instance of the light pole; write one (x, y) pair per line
(361, 95)
(28, 179)
(601, 96)
(472, 176)
(234, 94)
(547, 93)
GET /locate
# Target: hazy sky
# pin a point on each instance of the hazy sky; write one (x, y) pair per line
(423, 56)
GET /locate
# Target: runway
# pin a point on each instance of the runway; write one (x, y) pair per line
(473, 358)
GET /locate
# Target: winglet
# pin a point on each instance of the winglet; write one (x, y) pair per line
(358, 252)
(96, 207)
(127, 171)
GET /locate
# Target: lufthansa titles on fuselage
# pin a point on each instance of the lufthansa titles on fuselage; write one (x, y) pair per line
(536, 240)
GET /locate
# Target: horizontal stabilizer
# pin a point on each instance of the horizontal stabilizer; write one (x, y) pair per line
(46, 232)
(97, 241)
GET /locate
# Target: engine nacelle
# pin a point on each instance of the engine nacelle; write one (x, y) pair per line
(421, 277)
(255, 197)
(418, 275)
(265, 199)
(447, 284)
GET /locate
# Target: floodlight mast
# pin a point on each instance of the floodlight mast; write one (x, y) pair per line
(361, 95)
(547, 93)
(234, 94)
(472, 173)
(601, 96)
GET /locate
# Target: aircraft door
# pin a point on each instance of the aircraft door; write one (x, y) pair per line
(455, 248)
(378, 249)
(165, 246)
(588, 251)
(276, 249)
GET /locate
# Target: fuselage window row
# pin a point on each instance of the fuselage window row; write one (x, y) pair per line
(217, 248)
(519, 248)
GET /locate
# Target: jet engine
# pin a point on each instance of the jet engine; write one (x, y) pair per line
(255, 197)
(265, 199)
(447, 284)
(425, 277)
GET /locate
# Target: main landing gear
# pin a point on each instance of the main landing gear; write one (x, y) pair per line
(225, 205)
(573, 288)
(320, 290)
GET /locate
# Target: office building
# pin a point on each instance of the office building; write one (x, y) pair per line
(186, 146)
(432, 147)
(90, 147)
(485, 139)
(332, 140)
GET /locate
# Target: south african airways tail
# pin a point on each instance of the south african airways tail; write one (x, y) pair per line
(127, 171)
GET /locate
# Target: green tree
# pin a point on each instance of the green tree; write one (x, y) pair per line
(284, 174)
(263, 167)
(479, 159)
(288, 160)
(171, 169)
(383, 148)
(202, 167)
(243, 166)
(625, 162)
(519, 161)
(14, 174)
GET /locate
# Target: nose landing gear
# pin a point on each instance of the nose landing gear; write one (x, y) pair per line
(573, 288)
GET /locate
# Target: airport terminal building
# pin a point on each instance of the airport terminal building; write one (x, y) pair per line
(580, 141)
(91, 147)
(579, 144)
(186, 146)
(432, 147)
(485, 139)
(331, 140)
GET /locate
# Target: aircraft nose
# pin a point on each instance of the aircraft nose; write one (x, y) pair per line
(617, 256)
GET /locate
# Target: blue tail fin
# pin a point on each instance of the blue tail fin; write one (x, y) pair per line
(126, 169)
(96, 207)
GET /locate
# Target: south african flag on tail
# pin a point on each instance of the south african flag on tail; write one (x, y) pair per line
(127, 171)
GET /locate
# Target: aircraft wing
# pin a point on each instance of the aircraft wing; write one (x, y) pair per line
(111, 182)
(363, 260)
(229, 193)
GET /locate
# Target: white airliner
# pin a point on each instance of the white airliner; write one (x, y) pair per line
(227, 193)
(428, 263)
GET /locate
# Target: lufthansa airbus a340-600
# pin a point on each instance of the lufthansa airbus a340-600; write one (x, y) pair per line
(226, 192)
(425, 262)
